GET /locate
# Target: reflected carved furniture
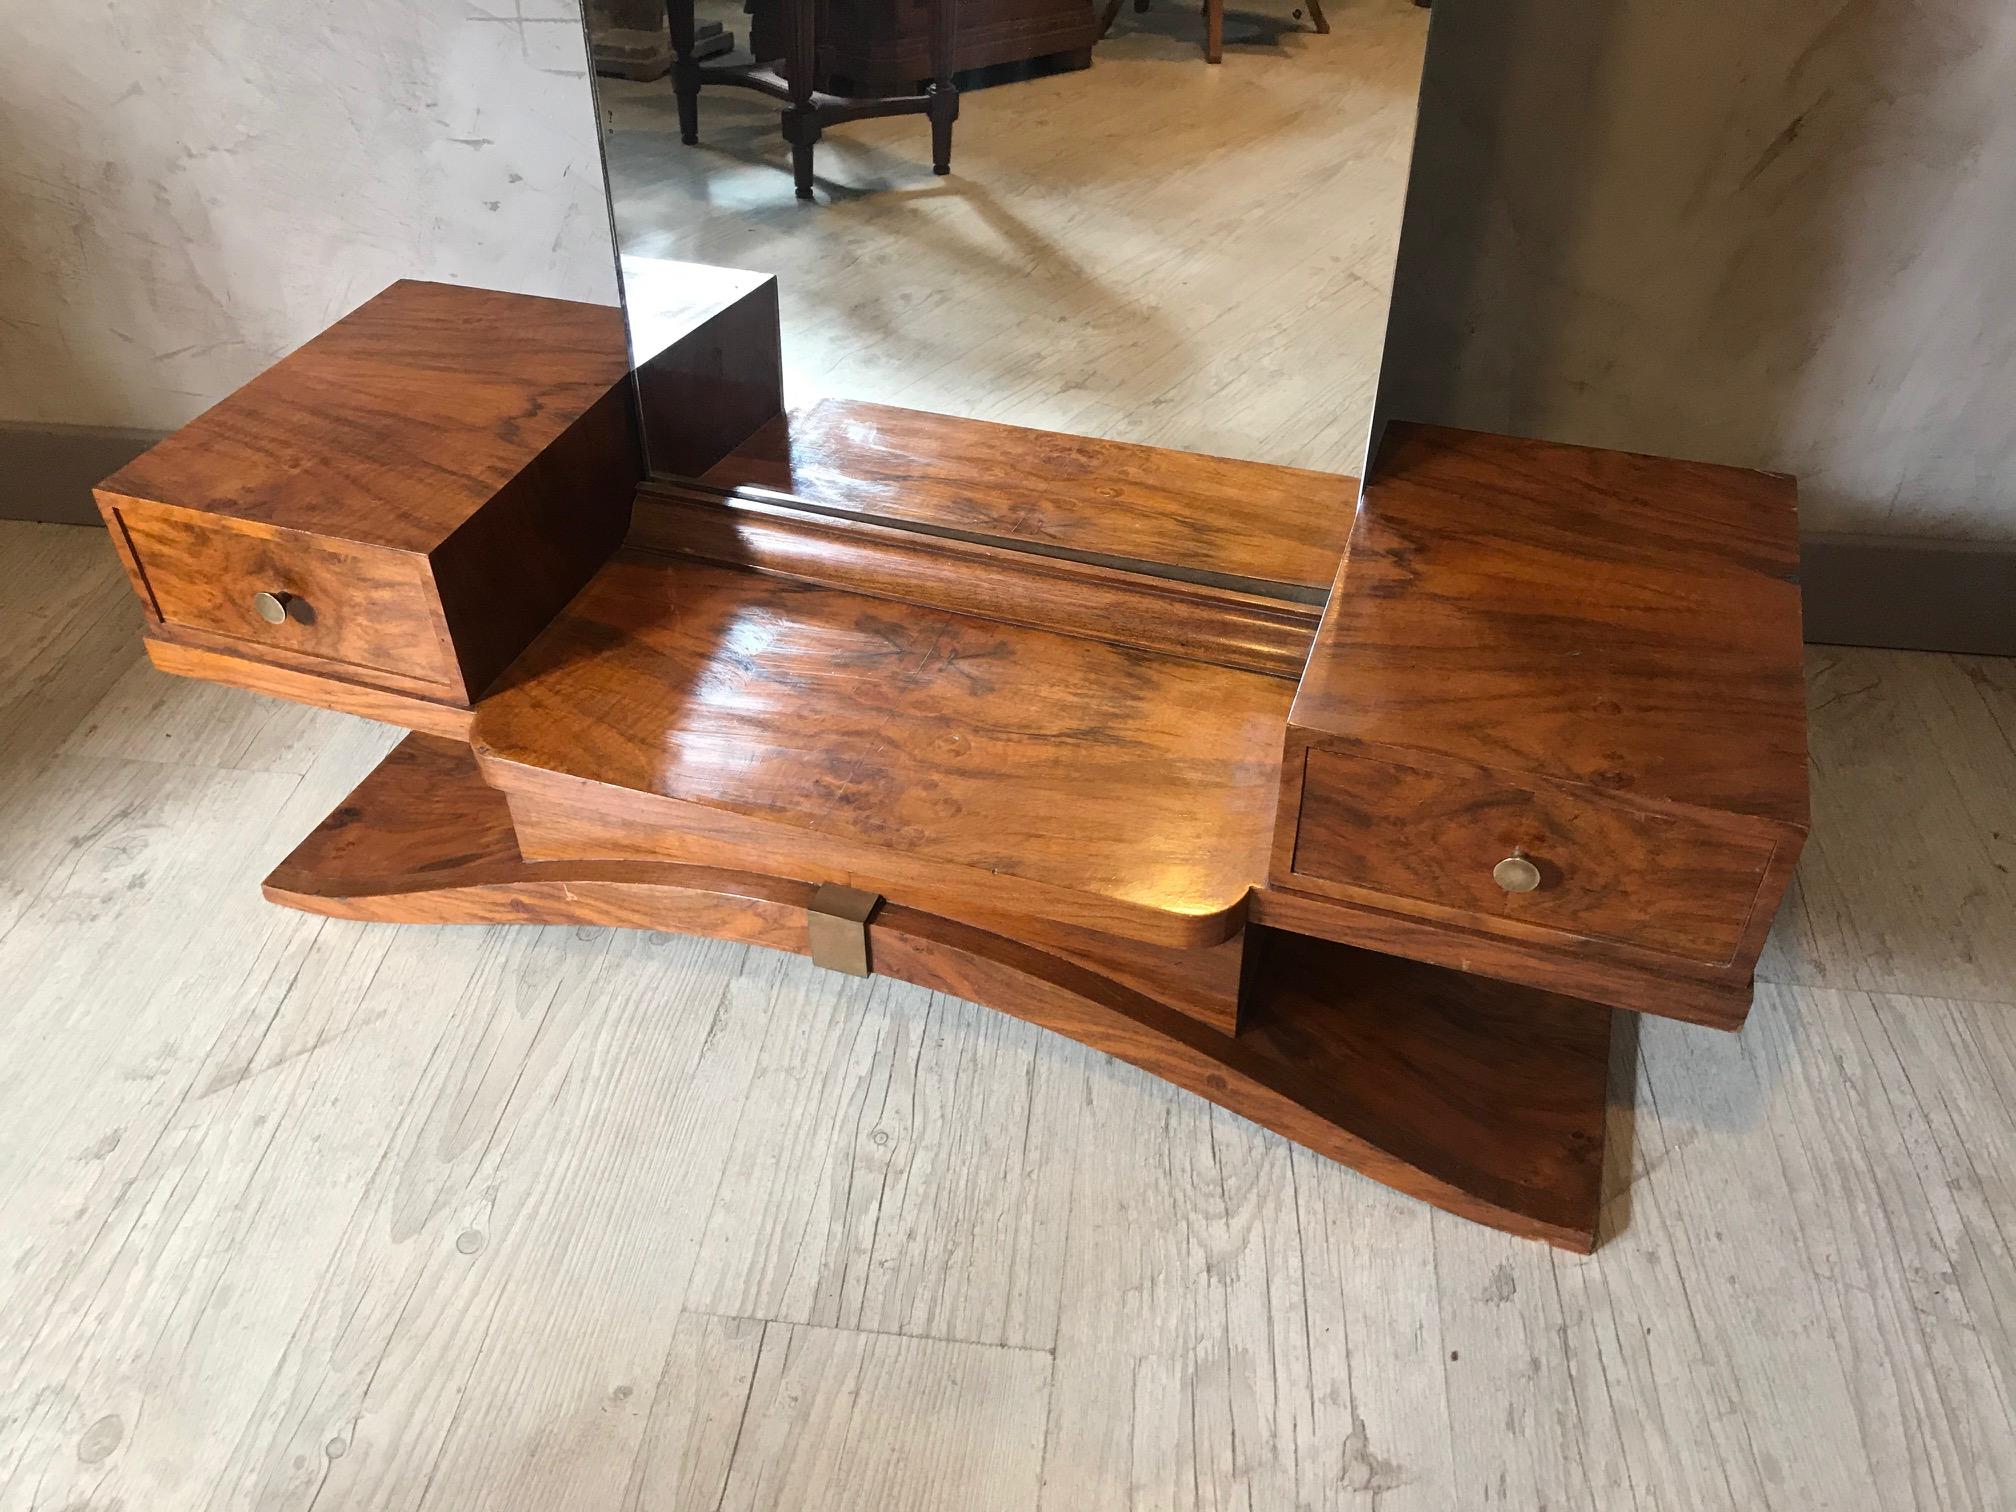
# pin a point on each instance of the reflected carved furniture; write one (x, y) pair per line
(872, 47)
(808, 110)
(1362, 822)
(1214, 23)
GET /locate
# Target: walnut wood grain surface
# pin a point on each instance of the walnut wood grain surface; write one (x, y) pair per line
(979, 579)
(367, 607)
(319, 688)
(1480, 1097)
(1200, 979)
(1279, 529)
(1465, 1093)
(709, 356)
(1493, 1088)
(425, 840)
(1036, 773)
(1575, 966)
(1587, 658)
(398, 421)
(1678, 881)
(1626, 622)
(427, 481)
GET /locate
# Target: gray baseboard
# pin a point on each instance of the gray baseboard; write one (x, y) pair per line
(1914, 595)
(47, 471)
(1910, 594)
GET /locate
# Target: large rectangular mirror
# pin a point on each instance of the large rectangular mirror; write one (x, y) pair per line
(1159, 228)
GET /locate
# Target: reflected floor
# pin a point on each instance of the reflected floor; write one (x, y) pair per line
(1151, 249)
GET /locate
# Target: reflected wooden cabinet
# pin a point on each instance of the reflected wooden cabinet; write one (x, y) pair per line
(884, 46)
(1360, 813)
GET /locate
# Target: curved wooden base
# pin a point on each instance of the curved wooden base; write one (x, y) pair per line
(1481, 1097)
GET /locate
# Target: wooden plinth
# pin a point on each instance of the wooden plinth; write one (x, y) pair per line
(1482, 1097)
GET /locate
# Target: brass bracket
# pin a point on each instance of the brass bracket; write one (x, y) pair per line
(836, 927)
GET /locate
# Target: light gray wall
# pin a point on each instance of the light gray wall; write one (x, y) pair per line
(191, 188)
(1779, 235)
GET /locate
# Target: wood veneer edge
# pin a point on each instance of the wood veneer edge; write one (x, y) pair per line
(317, 689)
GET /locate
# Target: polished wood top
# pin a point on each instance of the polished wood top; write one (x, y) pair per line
(1626, 622)
(1246, 524)
(395, 424)
(1015, 767)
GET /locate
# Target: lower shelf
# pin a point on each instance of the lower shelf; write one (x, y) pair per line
(1481, 1097)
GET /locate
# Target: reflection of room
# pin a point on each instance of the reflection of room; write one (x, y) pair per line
(1146, 248)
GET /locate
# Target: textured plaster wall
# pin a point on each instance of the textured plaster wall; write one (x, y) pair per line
(1779, 235)
(190, 188)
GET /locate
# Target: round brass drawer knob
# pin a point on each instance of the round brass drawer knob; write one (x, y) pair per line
(1516, 874)
(272, 607)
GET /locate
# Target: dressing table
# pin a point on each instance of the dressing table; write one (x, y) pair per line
(1359, 811)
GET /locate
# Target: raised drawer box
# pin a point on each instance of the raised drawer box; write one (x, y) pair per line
(411, 495)
(1679, 882)
(1553, 726)
(370, 610)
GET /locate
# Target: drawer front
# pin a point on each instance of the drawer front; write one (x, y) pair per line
(362, 606)
(1664, 882)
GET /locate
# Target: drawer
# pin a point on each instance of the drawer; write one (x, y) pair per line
(366, 607)
(1675, 883)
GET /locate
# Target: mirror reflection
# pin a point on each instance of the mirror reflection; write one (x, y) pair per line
(1161, 228)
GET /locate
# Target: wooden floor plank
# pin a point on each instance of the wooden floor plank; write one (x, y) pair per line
(1189, 1371)
(589, 1171)
(838, 1418)
(1882, 1167)
(901, 1165)
(1910, 881)
(154, 1073)
(356, 1411)
(69, 632)
(694, 1424)
(147, 717)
